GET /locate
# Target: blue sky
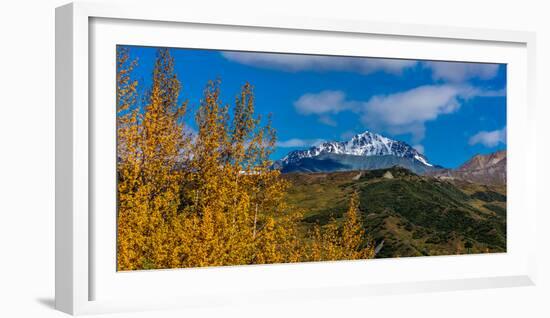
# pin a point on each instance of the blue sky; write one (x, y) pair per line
(450, 111)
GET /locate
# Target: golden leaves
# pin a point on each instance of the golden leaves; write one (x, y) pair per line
(208, 199)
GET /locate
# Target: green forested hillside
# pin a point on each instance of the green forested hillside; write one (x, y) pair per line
(412, 215)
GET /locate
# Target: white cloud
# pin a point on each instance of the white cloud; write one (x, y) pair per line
(295, 142)
(302, 62)
(327, 120)
(187, 129)
(347, 135)
(457, 72)
(419, 148)
(453, 72)
(489, 138)
(325, 102)
(407, 112)
(400, 113)
(190, 132)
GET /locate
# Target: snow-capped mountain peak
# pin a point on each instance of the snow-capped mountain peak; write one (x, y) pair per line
(363, 144)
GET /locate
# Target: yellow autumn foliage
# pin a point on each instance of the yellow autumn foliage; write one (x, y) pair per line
(208, 198)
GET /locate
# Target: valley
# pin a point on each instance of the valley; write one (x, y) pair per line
(405, 213)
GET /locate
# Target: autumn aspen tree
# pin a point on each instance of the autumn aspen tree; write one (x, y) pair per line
(353, 233)
(208, 196)
(131, 209)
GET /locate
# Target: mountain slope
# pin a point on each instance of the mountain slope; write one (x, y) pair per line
(367, 150)
(413, 215)
(484, 169)
(479, 162)
(328, 162)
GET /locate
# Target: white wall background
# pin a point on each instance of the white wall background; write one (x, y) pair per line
(27, 158)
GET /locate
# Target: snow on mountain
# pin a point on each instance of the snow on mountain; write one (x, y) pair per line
(365, 144)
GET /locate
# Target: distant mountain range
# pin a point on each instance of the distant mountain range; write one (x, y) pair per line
(365, 151)
(485, 169)
(370, 151)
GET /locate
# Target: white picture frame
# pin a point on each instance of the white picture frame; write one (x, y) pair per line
(84, 274)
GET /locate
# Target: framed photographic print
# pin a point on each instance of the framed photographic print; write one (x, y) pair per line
(218, 159)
